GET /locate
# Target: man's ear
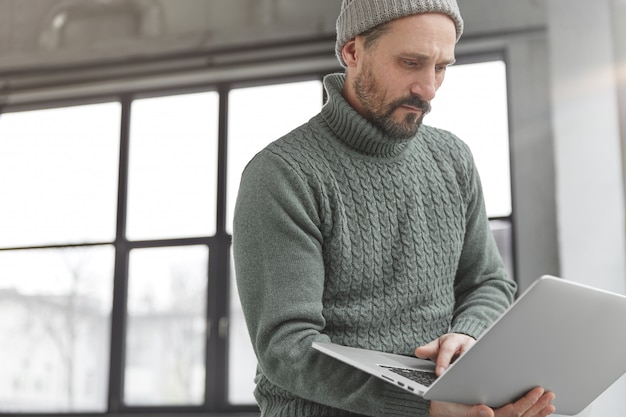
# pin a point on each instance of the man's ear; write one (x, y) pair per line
(349, 53)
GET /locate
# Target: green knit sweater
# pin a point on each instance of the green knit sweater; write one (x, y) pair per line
(342, 234)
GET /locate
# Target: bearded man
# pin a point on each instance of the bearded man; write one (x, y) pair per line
(367, 228)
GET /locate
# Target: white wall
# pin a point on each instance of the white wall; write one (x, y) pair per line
(589, 181)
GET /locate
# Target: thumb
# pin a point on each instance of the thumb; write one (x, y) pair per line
(480, 411)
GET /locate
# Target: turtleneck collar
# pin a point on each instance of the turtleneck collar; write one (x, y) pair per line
(352, 128)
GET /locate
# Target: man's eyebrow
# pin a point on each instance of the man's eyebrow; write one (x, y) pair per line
(424, 57)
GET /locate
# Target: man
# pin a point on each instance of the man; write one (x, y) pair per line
(366, 228)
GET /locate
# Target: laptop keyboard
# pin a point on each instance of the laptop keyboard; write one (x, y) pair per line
(421, 377)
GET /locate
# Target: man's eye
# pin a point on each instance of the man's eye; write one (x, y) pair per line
(441, 68)
(410, 64)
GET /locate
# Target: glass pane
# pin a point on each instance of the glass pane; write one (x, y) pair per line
(58, 175)
(260, 115)
(55, 318)
(503, 234)
(243, 362)
(472, 103)
(166, 331)
(257, 116)
(173, 167)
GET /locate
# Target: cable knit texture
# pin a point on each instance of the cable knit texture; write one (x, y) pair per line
(343, 234)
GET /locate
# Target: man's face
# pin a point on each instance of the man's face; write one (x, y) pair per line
(387, 113)
(392, 82)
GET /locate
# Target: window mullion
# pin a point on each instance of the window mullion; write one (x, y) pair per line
(218, 288)
(120, 285)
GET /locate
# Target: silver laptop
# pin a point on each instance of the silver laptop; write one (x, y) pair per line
(566, 337)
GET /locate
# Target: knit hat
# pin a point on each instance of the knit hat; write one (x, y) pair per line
(358, 16)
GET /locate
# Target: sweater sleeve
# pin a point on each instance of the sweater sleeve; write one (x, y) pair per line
(277, 247)
(482, 288)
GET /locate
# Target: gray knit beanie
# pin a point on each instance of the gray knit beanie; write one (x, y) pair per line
(358, 16)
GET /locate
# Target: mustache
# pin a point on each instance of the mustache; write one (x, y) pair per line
(412, 101)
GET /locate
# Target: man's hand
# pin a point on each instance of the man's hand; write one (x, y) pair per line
(536, 403)
(444, 350)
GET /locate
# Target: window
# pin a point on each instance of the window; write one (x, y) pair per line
(296, 103)
(165, 351)
(115, 254)
(172, 179)
(259, 115)
(58, 181)
(472, 103)
(56, 315)
(58, 175)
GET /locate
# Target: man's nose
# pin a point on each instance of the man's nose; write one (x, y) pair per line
(425, 85)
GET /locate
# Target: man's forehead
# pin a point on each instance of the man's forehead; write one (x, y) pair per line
(422, 33)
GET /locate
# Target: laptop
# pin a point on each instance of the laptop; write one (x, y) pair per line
(566, 337)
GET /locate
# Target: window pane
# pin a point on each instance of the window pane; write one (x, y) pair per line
(257, 116)
(166, 332)
(472, 103)
(242, 367)
(58, 175)
(173, 166)
(503, 234)
(55, 312)
(260, 115)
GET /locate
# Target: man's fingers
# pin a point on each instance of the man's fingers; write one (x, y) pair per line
(481, 411)
(543, 407)
(443, 409)
(446, 353)
(449, 348)
(444, 350)
(530, 399)
(536, 402)
(428, 351)
(521, 406)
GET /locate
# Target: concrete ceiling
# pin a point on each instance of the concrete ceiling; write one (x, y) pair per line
(35, 34)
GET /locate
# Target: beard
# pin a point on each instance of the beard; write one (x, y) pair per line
(372, 99)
